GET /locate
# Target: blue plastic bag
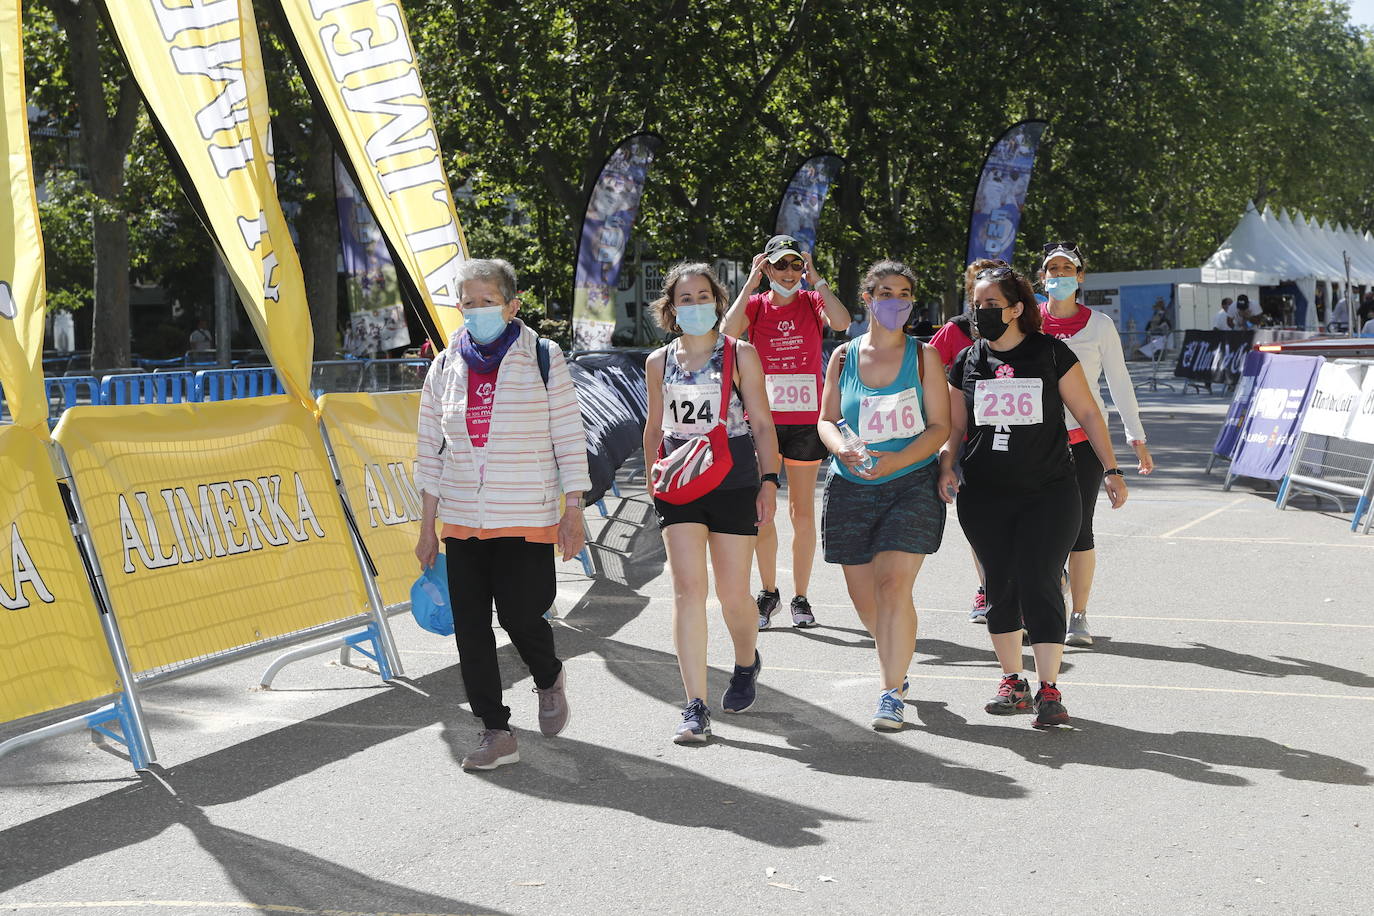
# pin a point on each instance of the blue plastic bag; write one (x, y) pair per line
(429, 602)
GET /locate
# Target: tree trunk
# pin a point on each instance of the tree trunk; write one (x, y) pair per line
(110, 319)
(851, 217)
(318, 230)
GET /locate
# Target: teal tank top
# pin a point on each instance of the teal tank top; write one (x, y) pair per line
(882, 416)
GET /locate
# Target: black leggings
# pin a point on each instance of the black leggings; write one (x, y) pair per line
(1023, 541)
(518, 577)
(1089, 471)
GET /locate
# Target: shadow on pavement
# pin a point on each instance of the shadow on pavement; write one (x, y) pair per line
(1188, 755)
(1225, 660)
(945, 654)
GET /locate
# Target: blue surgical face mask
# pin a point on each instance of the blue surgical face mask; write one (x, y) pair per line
(485, 324)
(783, 291)
(1060, 288)
(697, 319)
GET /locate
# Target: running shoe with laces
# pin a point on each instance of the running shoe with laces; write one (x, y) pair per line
(1013, 695)
(979, 614)
(696, 724)
(739, 696)
(553, 705)
(496, 748)
(1078, 634)
(768, 606)
(890, 714)
(802, 618)
(1049, 707)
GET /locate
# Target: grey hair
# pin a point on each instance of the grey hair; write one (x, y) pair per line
(492, 270)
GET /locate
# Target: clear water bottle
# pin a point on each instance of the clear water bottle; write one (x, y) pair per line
(853, 443)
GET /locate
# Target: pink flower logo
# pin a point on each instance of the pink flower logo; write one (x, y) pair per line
(1005, 371)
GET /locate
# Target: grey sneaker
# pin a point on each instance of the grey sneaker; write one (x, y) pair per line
(497, 748)
(553, 706)
(1078, 631)
(768, 606)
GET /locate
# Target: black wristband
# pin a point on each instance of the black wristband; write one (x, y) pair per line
(771, 478)
(1113, 472)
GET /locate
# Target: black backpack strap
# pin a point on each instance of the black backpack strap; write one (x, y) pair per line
(543, 355)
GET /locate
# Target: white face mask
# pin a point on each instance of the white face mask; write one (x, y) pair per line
(783, 291)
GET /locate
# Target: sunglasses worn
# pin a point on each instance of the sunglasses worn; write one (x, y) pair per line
(790, 265)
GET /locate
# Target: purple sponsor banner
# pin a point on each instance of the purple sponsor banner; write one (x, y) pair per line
(799, 210)
(1240, 404)
(996, 213)
(376, 319)
(611, 212)
(1269, 432)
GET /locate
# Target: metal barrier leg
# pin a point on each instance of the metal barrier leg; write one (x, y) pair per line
(129, 709)
(116, 713)
(346, 642)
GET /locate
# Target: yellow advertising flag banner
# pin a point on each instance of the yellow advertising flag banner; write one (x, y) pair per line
(199, 66)
(52, 649)
(374, 444)
(21, 246)
(357, 59)
(217, 525)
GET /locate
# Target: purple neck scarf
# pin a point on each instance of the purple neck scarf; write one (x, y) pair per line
(486, 358)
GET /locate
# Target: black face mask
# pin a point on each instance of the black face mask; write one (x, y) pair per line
(989, 323)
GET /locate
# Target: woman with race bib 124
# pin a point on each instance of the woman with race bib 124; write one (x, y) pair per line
(702, 467)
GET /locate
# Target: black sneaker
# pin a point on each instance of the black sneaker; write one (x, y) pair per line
(739, 696)
(1013, 696)
(801, 613)
(1049, 707)
(768, 606)
(696, 724)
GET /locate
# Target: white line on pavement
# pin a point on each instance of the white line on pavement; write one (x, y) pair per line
(1203, 518)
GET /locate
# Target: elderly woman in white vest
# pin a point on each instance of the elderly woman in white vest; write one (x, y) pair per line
(502, 465)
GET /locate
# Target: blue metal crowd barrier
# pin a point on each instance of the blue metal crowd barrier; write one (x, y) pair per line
(149, 388)
(69, 391)
(228, 384)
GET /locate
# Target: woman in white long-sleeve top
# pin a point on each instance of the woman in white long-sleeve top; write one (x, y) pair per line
(1094, 340)
(500, 448)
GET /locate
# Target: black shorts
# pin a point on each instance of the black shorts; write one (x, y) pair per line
(721, 511)
(801, 443)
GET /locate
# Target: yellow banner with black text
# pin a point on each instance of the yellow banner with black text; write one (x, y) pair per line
(357, 58)
(52, 649)
(217, 525)
(199, 66)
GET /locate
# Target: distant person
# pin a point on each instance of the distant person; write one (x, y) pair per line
(1366, 310)
(1221, 321)
(63, 331)
(1368, 329)
(1340, 314)
(1242, 318)
(201, 338)
(1157, 332)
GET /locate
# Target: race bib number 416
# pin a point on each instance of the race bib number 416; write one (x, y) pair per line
(795, 393)
(690, 410)
(883, 417)
(1008, 402)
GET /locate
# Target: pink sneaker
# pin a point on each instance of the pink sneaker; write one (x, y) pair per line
(553, 706)
(497, 748)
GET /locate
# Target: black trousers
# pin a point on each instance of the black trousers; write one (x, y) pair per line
(1023, 541)
(1089, 471)
(519, 578)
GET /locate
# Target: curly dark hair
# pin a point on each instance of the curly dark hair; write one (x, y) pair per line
(886, 268)
(1014, 287)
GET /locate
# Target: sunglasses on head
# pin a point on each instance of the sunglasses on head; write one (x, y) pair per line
(994, 273)
(791, 264)
(1067, 246)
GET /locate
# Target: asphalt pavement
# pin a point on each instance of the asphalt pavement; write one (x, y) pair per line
(1218, 760)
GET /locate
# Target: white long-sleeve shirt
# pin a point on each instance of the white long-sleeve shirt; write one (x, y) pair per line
(1098, 348)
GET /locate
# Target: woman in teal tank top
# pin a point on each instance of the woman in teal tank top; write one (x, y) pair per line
(879, 522)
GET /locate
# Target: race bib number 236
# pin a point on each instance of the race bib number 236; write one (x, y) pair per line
(1009, 402)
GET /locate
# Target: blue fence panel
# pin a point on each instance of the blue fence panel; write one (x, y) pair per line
(68, 392)
(149, 388)
(228, 384)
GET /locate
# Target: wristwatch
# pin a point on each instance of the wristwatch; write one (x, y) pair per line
(1113, 472)
(771, 478)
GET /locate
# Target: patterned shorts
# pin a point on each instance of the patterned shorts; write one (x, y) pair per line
(860, 520)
